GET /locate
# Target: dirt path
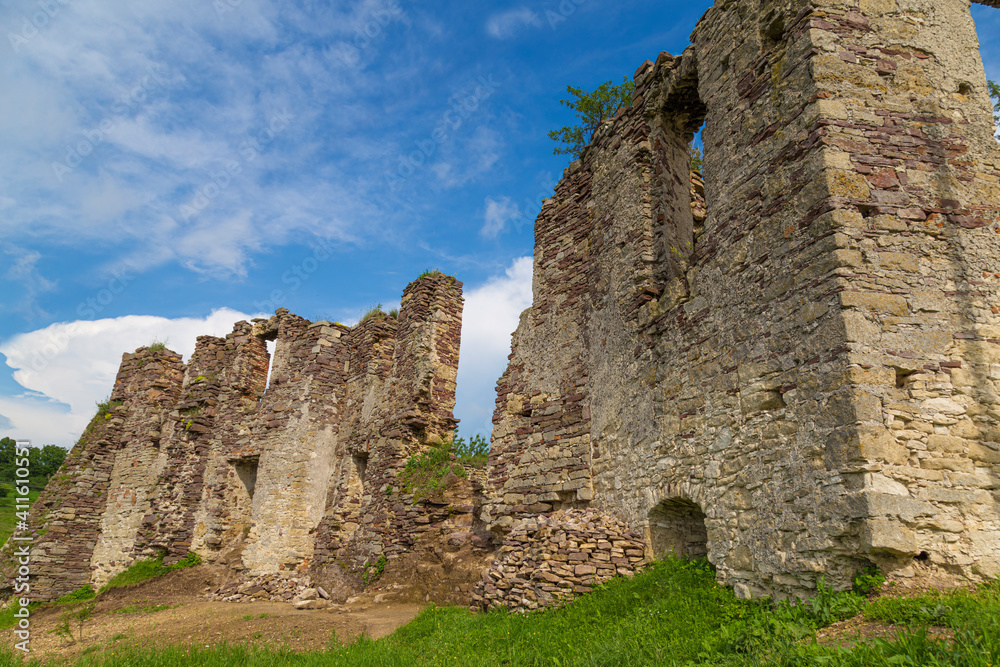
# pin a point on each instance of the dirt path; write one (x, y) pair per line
(168, 610)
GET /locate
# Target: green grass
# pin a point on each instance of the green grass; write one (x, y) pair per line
(375, 312)
(143, 570)
(674, 615)
(7, 511)
(142, 608)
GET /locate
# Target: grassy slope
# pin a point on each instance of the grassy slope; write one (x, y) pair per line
(7, 519)
(674, 614)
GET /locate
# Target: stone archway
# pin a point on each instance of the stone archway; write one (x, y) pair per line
(677, 526)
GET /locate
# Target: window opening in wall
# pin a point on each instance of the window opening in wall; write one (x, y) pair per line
(361, 467)
(987, 21)
(696, 151)
(677, 526)
(272, 345)
(246, 470)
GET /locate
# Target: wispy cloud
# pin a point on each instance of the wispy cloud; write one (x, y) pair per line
(499, 212)
(23, 270)
(506, 25)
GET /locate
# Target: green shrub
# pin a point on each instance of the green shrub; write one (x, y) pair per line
(424, 473)
(106, 407)
(143, 570)
(158, 345)
(868, 581)
(474, 451)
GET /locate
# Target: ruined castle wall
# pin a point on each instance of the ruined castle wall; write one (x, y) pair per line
(101, 473)
(719, 383)
(267, 478)
(404, 385)
(297, 429)
(148, 386)
(914, 173)
(215, 379)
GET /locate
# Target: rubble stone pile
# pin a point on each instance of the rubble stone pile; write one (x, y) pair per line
(272, 587)
(549, 559)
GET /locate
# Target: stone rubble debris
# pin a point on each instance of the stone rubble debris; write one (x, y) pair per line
(549, 559)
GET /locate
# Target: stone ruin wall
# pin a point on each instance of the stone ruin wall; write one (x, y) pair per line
(281, 477)
(797, 381)
(808, 381)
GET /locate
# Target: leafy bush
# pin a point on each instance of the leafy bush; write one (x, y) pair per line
(868, 581)
(373, 573)
(158, 345)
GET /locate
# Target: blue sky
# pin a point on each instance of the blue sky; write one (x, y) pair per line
(166, 170)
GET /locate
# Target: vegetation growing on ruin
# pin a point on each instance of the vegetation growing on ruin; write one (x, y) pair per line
(375, 312)
(106, 407)
(428, 273)
(147, 569)
(158, 345)
(474, 451)
(995, 95)
(425, 473)
(592, 108)
(672, 614)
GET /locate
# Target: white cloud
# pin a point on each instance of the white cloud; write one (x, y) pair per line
(66, 368)
(498, 213)
(490, 317)
(507, 24)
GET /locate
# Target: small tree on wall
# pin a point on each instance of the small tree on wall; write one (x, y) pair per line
(995, 95)
(592, 108)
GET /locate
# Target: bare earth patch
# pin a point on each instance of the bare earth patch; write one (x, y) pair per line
(190, 619)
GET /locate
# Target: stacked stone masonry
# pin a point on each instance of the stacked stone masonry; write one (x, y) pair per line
(791, 366)
(271, 477)
(553, 558)
(806, 381)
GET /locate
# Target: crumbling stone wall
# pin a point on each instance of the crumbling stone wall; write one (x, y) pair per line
(549, 559)
(268, 478)
(806, 382)
(108, 472)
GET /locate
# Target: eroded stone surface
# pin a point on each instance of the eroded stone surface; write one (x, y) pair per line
(278, 478)
(805, 382)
